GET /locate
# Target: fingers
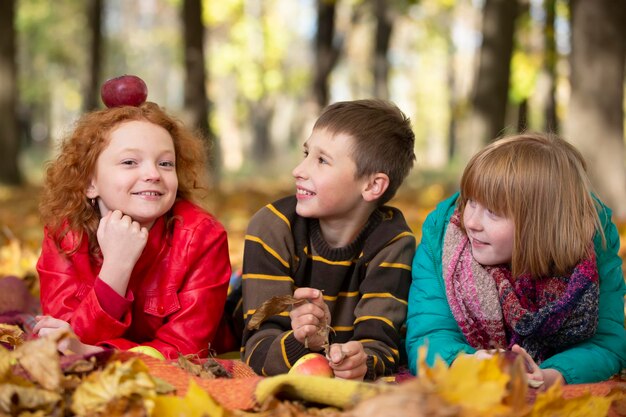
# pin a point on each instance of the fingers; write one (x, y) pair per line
(117, 221)
(483, 354)
(48, 324)
(534, 373)
(312, 294)
(348, 360)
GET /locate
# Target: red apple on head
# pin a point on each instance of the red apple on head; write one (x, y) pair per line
(126, 90)
(312, 364)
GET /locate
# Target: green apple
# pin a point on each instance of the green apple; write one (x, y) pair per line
(148, 350)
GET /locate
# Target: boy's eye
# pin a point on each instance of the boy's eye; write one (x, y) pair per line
(306, 153)
(321, 160)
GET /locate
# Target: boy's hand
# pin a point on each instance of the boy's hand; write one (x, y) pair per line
(309, 320)
(348, 360)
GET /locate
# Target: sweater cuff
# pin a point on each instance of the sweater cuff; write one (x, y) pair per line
(111, 302)
(370, 375)
(294, 350)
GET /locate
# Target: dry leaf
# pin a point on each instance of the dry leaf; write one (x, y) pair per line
(272, 307)
(410, 399)
(40, 358)
(6, 361)
(196, 403)
(132, 406)
(117, 380)
(215, 368)
(16, 398)
(11, 334)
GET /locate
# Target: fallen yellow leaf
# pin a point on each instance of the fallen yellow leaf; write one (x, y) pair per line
(196, 403)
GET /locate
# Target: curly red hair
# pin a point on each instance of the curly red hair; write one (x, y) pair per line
(64, 206)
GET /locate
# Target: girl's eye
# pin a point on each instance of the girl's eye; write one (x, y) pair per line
(306, 153)
(321, 160)
(128, 162)
(168, 164)
(493, 214)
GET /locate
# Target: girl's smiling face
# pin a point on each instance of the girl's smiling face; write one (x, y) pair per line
(136, 172)
(490, 234)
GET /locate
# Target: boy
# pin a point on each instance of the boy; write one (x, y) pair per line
(336, 247)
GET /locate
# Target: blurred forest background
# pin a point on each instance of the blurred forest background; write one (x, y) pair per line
(253, 75)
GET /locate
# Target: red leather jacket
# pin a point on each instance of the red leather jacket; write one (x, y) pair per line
(175, 297)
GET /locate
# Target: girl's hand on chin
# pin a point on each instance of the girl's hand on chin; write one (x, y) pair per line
(121, 238)
(121, 241)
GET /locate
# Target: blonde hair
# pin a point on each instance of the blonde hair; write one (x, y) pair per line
(540, 182)
(64, 205)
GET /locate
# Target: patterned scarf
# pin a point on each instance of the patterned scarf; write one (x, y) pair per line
(493, 310)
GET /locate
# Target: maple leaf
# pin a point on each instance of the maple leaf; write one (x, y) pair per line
(475, 384)
(196, 403)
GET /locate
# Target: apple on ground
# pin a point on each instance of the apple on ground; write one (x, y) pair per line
(312, 364)
(125, 90)
(147, 350)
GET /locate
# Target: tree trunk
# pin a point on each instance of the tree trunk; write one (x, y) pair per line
(551, 123)
(92, 88)
(196, 100)
(490, 97)
(384, 28)
(261, 113)
(326, 53)
(595, 120)
(522, 116)
(9, 138)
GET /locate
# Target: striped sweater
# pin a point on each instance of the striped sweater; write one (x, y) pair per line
(365, 284)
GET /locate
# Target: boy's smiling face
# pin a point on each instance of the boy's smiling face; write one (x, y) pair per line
(326, 187)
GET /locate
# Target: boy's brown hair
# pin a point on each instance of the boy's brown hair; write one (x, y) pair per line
(540, 182)
(383, 138)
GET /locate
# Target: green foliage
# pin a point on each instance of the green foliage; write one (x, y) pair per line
(524, 72)
(51, 42)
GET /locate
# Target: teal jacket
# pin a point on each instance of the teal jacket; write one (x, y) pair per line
(430, 321)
